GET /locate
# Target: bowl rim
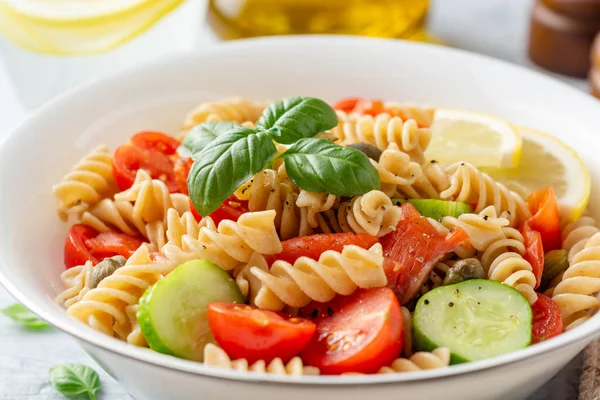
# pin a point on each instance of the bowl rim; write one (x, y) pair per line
(83, 333)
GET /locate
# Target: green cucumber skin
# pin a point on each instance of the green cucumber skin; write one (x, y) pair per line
(431, 207)
(423, 343)
(187, 280)
(145, 321)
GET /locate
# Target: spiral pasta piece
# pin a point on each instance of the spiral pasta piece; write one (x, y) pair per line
(315, 203)
(272, 190)
(214, 356)
(372, 213)
(234, 109)
(88, 182)
(231, 243)
(438, 358)
(74, 280)
(140, 209)
(575, 295)
(395, 167)
(576, 234)
(503, 262)
(334, 273)
(104, 308)
(383, 130)
(483, 229)
(422, 114)
(469, 185)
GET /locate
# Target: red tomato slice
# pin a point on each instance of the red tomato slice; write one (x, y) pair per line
(412, 250)
(314, 245)
(160, 142)
(547, 320)
(108, 244)
(545, 218)
(534, 252)
(151, 151)
(359, 333)
(360, 106)
(231, 209)
(346, 105)
(182, 168)
(75, 251)
(369, 107)
(247, 332)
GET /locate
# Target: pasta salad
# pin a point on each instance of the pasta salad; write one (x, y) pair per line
(298, 238)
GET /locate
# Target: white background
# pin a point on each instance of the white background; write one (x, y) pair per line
(495, 27)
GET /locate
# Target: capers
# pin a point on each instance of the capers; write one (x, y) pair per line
(103, 269)
(463, 270)
(373, 152)
(555, 263)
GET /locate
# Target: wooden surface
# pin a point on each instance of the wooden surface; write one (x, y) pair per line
(494, 27)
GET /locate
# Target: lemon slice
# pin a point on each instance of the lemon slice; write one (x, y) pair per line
(546, 161)
(481, 139)
(78, 27)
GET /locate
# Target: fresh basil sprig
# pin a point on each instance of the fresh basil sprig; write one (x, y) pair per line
(200, 136)
(318, 165)
(20, 314)
(226, 155)
(226, 164)
(73, 380)
(297, 117)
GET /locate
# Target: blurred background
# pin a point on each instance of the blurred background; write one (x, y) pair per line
(49, 46)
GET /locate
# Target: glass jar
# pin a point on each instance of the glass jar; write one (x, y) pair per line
(234, 19)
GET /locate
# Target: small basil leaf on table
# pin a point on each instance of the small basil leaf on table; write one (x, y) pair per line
(74, 379)
(297, 117)
(23, 316)
(318, 165)
(201, 135)
(229, 161)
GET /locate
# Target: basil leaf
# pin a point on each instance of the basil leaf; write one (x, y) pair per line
(297, 117)
(201, 135)
(23, 316)
(318, 165)
(75, 379)
(226, 164)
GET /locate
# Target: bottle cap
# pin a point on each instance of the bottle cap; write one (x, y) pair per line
(577, 8)
(561, 43)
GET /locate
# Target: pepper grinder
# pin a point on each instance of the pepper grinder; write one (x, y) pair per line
(595, 71)
(562, 33)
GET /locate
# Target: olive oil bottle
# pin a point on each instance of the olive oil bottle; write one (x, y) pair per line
(235, 19)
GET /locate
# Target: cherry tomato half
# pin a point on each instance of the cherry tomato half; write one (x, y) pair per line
(182, 168)
(108, 244)
(246, 332)
(359, 333)
(547, 320)
(75, 251)
(151, 151)
(87, 244)
(314, 245)
(231, 209)
(361, 106)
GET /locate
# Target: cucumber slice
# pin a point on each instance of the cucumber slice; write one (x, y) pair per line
(475, 319)
(172, 313)
(437, 209)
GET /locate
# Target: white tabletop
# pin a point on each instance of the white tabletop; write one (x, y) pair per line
(494, 27)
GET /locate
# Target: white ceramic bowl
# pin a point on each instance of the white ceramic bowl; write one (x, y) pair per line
(157, 96)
